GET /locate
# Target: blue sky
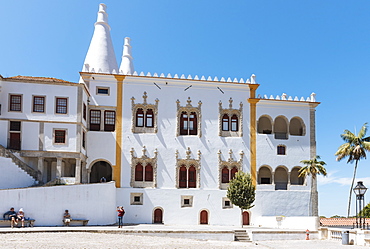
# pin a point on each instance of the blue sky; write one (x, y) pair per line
(294, 47)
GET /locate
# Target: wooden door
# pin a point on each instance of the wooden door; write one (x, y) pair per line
(204, 217)
(158, 215)
(15, 141)
(245, 218)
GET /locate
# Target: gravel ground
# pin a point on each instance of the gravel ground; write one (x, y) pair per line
(82, 240)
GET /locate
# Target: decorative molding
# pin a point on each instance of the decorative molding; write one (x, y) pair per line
(230, 112)
(145, 106)
(189, 108)
(144, 160)
(229, 163)
(187, 162)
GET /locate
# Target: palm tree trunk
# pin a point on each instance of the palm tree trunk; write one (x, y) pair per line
(350, 190)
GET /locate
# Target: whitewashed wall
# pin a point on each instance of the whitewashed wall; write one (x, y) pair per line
(95, 202)
(12, 176)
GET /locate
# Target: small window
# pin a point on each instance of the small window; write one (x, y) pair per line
(136, 198)
(149, 118)
(265, 180)
(61, 105)
(84, 113)
(234, 123)
(186, 201)
(83, 139)
(226, 203)
(109, 120)
(225, 122)
(38, 104)
(139, 172)
(95, 120)
(15, 126)
(15, 103)
(103, 90)
(183, 177)
(59, 136)
(281, 150)
(188, 124)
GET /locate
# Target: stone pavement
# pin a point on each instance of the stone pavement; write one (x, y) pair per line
(133, 236)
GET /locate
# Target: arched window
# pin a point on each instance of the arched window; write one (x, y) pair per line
(296, 127)
(225, 175)
(138, 172)
(281, 150)
(264, 175)
(188, 124)
(203, 217)
(294, 179)
(140, 118)
(148, 173)
(234, 170)
(225, 122)
(281, 179)
(264, 125)
(281, 128)
(149, 118)
(234, 123)
(192, 177)
(182, 177)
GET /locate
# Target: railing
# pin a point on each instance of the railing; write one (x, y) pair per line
(281, 135)
(29, 170)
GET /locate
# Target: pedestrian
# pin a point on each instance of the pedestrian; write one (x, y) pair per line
(12, 216)
(66, 218)
(121, 213)
(20, 216)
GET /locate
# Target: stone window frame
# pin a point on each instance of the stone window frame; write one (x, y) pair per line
(188, 162)
(107, 88)
(224, 206)
(189, 108)
(143, 160)
(145, 106)
(277, 150)
(65, 130)
(132, 199)
(230, 163)
(190, 198)
(230, 112)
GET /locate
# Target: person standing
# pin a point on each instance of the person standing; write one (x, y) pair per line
(121, 213)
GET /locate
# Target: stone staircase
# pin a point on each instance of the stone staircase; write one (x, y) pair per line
(29, 170)
(241, 235)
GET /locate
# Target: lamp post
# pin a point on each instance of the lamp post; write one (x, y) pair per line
(360, 191)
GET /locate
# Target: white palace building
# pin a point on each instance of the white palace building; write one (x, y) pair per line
(168, 145)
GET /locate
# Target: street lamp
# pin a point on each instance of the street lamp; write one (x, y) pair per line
(360, 191)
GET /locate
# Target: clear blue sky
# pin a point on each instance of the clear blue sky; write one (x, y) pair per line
(294, 47)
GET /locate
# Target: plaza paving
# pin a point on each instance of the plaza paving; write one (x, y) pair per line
(111, 237)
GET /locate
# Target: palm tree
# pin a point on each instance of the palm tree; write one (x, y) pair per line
(355, 149)
(312, 167)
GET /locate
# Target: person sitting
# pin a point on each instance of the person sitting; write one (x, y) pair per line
(66, 218)
(20, 216)
(12, 215)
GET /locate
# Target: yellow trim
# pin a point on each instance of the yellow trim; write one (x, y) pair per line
(117, 168)
(253, 131)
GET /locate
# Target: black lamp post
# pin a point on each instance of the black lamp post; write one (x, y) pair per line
(360, 191)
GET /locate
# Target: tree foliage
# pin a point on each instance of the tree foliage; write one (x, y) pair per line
(312, 167)
(354, 148)
(241, 190)
(365, 212)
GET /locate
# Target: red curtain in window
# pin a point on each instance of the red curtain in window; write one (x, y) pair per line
(149, 118)
(234, 170)
(139, 118)
(139, 172)
(234, 123)
(225, 175)
(192, 177)
(182, 177)
(184, 123)
(193, 125)
(148, 173)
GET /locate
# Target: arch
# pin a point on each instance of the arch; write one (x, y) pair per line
(281, 127)
(158, 215)
(139, 172)
(139, 117)
(192, 177)
(264, 125)
(234, 170)
(246, 218)
(296, 127)
(264, 175)
(100, 169)
(148, 173)
(203, 217)
(281, 178)
(182, 177)
(234, 123)
(149, 118)
(294, 179)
